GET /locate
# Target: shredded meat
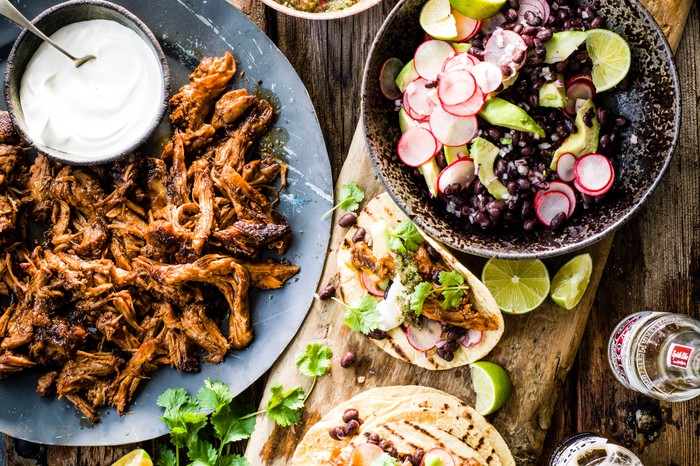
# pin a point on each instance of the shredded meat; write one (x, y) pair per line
(364, 258)
(133, 253)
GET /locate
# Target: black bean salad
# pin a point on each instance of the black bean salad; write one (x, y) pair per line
(499, 109)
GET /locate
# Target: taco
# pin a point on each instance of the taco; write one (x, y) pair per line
(429, 309)
(406, 423)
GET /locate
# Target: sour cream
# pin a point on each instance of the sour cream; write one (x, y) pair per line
(100, 108)
(389, 310)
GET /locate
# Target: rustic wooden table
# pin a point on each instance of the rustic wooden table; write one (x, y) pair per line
(654, 262)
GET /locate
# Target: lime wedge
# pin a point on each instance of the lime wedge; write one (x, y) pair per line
(478, 9)
(492, 386)
(517, 286)
(570, 282)
(611, 58)
(436, 19)
(136, 457)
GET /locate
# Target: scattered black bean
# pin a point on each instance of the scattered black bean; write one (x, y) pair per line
(603, 115)
(347, 359)
(544, 35)
(377, 334)
(359, 235)
(523, 184)
(432, 253)
(519, 57)
(373, 438)
(558, 220)
(621, 121)
(347, 220)
(326, 293)
(446, 355)
(456, 333)
(350, 414)
(511, 15)
(418, 457)
(441, 160)
(518, 28)
(597, 22)
(604, 141)
(451, 346)
(561, 66)
(337, 433)
(352, 427)
(588, 117)
(531, 31)
(530, 224)
(514, 4)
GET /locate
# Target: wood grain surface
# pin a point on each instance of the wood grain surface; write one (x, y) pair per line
(654, 262)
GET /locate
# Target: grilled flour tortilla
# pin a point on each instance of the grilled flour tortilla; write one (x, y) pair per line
(478, 311)
(410, 417)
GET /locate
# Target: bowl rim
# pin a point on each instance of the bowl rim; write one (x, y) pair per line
(64, 157)
(522, 254)
(358, 7)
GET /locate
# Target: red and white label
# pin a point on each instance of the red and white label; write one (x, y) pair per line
(679, 356)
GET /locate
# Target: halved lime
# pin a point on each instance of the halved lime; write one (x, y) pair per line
(518, 286)
(611, 58)
(478, 9)
(136, 457)
(570, 282)
(492, 386)
(436, 19)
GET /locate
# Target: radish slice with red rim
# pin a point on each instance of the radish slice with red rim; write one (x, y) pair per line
(550, 205)
(370, 285)
(430, 56)
(420, 98)
(503, 48)
(562, 188)
(493, 23)
(387, 78)
(461, 171)
(473, 337)
(466, 27)
(416, 146)
(594, 174)
(444, 455)
(581, 88)
(425, 336)
(365, 453)
(452, 130)
(461, 61)
(456, 87)
(487, 76)
(565, 167)
(546, 11)
(469, 108)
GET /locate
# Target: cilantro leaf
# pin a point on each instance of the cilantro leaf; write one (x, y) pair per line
(315, 361)
(405, 237)
(453, 288)
(230, 425)
(362, 315)
(384, 460)
(214, 395)
(165, 456)
(201, 452)
(349, 197)
(420, 293)
(232, 460)
(176, 402)
(284, 408)
(189, 424)
(452, 278)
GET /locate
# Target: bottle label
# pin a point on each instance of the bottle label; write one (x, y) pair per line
(568, 449)
(679, 356)
(619, 342)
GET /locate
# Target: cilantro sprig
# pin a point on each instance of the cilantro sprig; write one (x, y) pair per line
(384, 460)
(452, 291)
(207, 424)
(405, 237)
(361, 315)
(349, 198)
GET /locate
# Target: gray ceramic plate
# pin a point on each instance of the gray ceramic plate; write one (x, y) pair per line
(188, 31)
(652, 105)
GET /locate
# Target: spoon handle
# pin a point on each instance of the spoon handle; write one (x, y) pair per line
(10, 12)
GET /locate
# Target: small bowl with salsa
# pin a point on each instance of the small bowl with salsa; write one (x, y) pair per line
(320, 9)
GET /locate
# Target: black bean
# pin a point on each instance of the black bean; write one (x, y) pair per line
(436, 276)
(576, 23)
(604, 141)
(530, 224)
(613, 136)
(563, 15)
(477, 187)
(514, 4)
(500, 205)
(528, 40)
(432, 252)
(544, 35)
(511, 15)
(347, 359)
(377, 334)
(531, 31)
(352, 427)
(519, 57)
(590, 12)
(446, 355)
(518, 28)
(621, 121)
(570, 125)
(477, 42)
(451, 346)
(337, 433)
(418, 457)
(477, 52)
(534, 20)
(567, 24)
(347, 219)
(523, 184)
(588, 118)
(534, 60)
(456, 333)
(527, 151)
(326, 293)
(350, 414)
(501, 166)
(561, 66)
(373, 438)
(512, 188)
(495, 133)
(452, 189)
(526, 207)
(581, 55)
(359, 235)
(506, 70)
(385, 444)
(603, 114)
(481, 217)
(558, 220)
(441, 160)
(597, 22)
(494, 214)
(516, 137)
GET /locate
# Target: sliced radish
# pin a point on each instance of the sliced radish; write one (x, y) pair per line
(493, 23)
(503, 48)
(439, 146)
(473, 337)
(488, 76)
(461, 172)
(430, 56)
(594, 174)
(469, 108)
(452, 130)
(461, 61)
(456, 87)
(466, 27)
(419, 98)
(364, 454)
(539, 8)
(425, 337)
(565, 167)
(416, 146)
(579, 88)
(444, 455)
(561, 187)
(546, 10)
(550, 205)
(387, 78)
(370, 285)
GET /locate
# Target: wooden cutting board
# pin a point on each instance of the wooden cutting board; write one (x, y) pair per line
(537, 349)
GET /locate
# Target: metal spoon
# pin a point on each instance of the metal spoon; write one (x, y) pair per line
(11, 13)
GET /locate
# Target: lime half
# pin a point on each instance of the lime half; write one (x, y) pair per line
(518, 286)
(570, 282)
(611, 58)
(436, 19)
(492, 386)
(478, 9)
(136, 457)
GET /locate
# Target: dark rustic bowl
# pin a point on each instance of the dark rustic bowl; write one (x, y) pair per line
(52, 20)
(652, 104)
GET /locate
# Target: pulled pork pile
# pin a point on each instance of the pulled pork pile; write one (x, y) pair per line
(141, 259)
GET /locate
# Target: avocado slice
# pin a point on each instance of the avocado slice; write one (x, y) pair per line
(432, 460)
(511, 80)
(484, 155)
(430, 172)
(500, 112)
(584, 141)
(405, 121)
(461, 46)
(407, 75)
(562, 44)
(453, 153)
(554, 94)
